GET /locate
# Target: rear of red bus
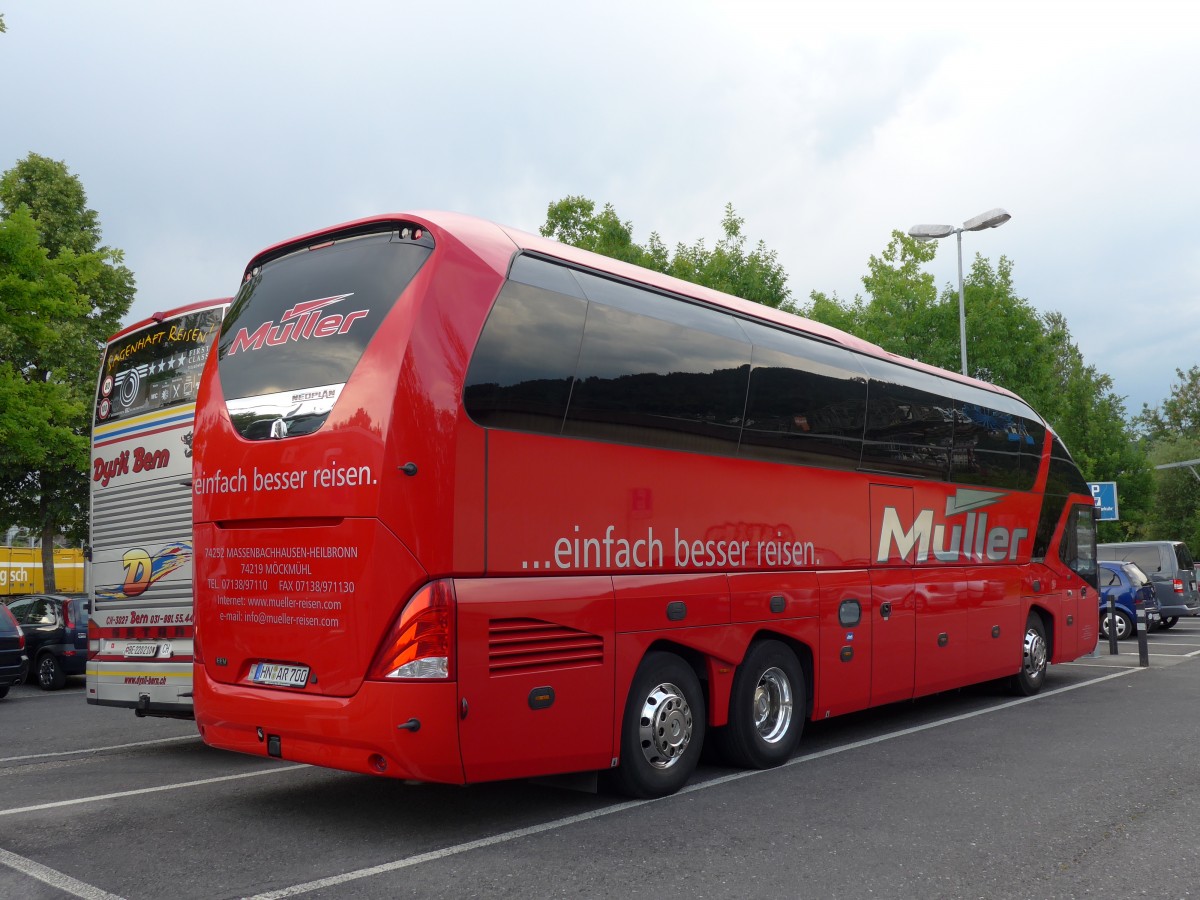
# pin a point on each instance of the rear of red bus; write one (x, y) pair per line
(328, 495)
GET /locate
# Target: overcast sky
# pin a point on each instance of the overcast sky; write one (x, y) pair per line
(203, 132)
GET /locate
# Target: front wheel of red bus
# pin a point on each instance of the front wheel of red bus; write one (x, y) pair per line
(662, 730)
(1035, 657)
(766, 708)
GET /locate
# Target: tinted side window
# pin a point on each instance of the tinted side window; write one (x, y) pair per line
(1183, 556)
(8, 625)
(21, 610)
(1147, 559)
(1078, 547)
(806, 405)
(988, 448)
(521, 372)
(646, 378)
(910, 422)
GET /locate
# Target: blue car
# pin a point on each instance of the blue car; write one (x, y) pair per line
(1132, 591)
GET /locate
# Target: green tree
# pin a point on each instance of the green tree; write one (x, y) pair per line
(755, 275)
(1171, 434)
(1175, 512)
(61, 295)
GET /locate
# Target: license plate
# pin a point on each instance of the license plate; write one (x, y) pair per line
(140, 651)
(278, 674)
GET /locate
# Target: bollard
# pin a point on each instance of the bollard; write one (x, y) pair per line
(1143, 648)
(1112, 626)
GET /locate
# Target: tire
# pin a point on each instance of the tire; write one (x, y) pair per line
(1125, 627)
(766, 708)
(50, 676)
(662, 730)
(3, 691)
(1035, 657)
(1166, 623)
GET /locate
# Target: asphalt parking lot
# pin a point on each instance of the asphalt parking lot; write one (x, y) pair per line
(968, 794)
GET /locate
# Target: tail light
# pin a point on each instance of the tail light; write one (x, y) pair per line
(1138, 600)
(93, 639)
(13, 620)
(1177, 584)
(67, 622)
(419, 644)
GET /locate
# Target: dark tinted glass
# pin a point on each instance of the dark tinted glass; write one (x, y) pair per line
(647, 378)
(1064, 476)
(910, 422)
(156, 366)
(1183, 556)
(807, 402)
(1052, 510)
(988, 447)
(304, 320)
(521, 371)
(1078, 547)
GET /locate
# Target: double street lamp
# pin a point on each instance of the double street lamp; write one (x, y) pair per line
(993, 218)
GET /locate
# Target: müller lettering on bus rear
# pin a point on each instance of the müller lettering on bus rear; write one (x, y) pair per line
(140, 631)
(471, 504)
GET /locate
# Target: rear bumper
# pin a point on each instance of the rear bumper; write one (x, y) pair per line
(1179, 610)
(359, 733)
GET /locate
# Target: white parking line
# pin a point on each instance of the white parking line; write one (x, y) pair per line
(151, 790)
(186, 737)
(410, 861)
(54, 878)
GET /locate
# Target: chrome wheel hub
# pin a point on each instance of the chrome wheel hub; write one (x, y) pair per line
(773, 705)
(1035, 653)
(665, 726)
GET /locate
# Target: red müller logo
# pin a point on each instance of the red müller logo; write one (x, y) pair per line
(301, 322)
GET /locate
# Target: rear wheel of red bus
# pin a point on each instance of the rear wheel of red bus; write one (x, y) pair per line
(766, 708)
(1035, 657)
(662, 730)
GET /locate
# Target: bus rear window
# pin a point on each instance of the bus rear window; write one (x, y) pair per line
(155, 367)
(301, 322)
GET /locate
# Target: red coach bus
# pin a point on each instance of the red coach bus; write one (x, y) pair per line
(472, 505)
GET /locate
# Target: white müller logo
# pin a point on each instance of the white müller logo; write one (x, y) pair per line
(302, 322)
(972, 539)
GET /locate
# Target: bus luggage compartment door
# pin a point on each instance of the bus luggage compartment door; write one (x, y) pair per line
(535, 675)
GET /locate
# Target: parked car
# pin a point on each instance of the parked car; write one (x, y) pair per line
(1170, 567)
(55, 627)
(13, 660)
(1130, 590)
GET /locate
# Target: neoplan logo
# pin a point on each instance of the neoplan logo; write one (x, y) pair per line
(303, 321)
(970, 540)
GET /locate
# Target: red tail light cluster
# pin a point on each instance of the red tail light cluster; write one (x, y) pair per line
(1177, 584)
(420, 642)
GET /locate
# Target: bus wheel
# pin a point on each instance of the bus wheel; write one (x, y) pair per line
(766, 708)
(1034, 658)
(662, 730)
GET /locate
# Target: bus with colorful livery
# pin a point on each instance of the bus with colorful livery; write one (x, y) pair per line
(140, 628)
(471, 504)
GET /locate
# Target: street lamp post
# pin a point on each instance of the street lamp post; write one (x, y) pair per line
(993, 218)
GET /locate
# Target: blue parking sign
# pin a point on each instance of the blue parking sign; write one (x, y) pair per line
(1104, 495)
